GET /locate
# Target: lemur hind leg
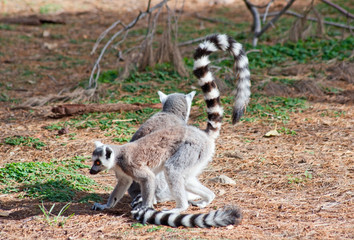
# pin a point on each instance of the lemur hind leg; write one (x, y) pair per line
(174, 169)
(194, 186)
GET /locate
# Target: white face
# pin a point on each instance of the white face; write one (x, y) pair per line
(102, 158)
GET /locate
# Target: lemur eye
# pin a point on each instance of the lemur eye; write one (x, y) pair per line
(98, 162)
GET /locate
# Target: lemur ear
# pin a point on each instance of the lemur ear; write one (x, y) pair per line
(163, 97)
(98, 144)
(191, 95)
(108, 152)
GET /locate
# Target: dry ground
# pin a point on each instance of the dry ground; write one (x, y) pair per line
(273, 185)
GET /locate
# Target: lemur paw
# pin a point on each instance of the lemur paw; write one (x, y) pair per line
(99, 207)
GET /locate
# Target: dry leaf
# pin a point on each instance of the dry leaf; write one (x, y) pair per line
(4, 214)
(272, 133)
(223, 179)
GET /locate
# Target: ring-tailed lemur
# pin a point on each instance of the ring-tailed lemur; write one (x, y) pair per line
(182, 152)
(175, 111)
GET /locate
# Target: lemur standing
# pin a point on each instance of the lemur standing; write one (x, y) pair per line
(181, 152)
(175, 111)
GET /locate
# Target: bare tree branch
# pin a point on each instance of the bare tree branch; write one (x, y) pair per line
(261, 6)
(266, 11)
(295, 14)
(342, 10)
(95, 70)
(213, 20)
(276, 17)
(103, 35)
(256, 27)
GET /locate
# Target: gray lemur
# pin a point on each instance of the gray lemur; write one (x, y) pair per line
(175, 111)
(181, 152)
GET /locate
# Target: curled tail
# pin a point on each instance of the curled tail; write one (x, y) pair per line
(230, 215)
(206, 81)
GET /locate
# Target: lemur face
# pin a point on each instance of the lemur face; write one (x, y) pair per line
(102, 158)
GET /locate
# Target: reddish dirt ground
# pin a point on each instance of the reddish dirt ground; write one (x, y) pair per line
(320, 207)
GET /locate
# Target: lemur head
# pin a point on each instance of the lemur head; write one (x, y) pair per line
(102, 158)
(177, 103)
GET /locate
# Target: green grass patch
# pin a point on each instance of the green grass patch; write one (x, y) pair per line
(302, 178)
(261, 107)
(120, 126)
(25, 141)
(8, 27)
(273, 108)
(57, 181)
(310, 50)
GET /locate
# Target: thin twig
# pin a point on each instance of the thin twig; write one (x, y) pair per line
(273, 20)
(340, 9)
(213, 20)
(261, 6)
(52, 78)
(295, 14)
(103, 34)
(96, 68)
(115, 46)
(266, 11)
(252, 51)
(191, 41)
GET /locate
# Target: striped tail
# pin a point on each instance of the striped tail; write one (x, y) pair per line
(230, 215)
(206, 81)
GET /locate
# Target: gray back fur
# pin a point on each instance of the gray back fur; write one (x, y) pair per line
(175, 112)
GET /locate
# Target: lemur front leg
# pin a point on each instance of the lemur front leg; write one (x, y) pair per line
(117, 194)
(146, 178)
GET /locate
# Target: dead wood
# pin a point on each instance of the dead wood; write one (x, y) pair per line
(277, 89)
(312, 19)
(77, 109)
(308, 88)
(77, 95)
(340, 9)
(213, 20)
(33, 20)
(342, 71)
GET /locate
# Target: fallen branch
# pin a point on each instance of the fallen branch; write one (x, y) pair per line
(191, 41)
(340, 9)
(295, 14)
(78, 94)
(77, 109)
(33, 20)
(213, 20)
